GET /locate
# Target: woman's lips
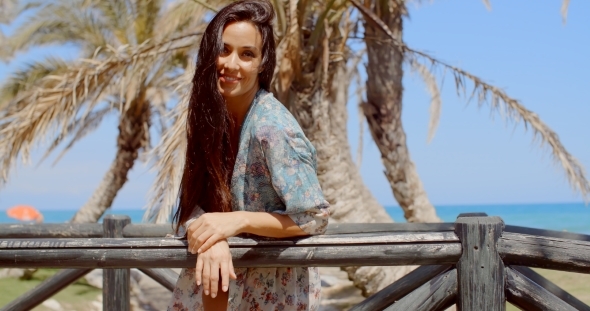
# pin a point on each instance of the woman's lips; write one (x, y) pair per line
(229, 79)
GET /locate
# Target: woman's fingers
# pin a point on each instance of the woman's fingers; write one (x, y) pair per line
(206, 277)
(208, 243)
(224, 272)
(232, 271)
(199, 270)
(214, 278)
(196, 240)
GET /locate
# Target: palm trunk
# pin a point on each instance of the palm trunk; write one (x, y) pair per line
(383, 110)
(320, 108)
(133, 133)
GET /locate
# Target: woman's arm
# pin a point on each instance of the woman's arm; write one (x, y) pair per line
(212, 227)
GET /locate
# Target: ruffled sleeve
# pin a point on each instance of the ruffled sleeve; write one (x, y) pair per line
(291, 161)
(197, 212)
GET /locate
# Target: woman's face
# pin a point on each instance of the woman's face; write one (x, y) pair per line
(238, 65)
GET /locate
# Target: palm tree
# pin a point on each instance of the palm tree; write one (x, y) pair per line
(386, 53)
(130, 52)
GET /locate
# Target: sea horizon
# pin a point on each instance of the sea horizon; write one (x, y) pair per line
(568, 216)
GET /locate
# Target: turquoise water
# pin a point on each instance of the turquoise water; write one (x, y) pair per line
(572, 217)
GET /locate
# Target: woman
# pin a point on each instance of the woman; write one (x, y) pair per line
(249, 169)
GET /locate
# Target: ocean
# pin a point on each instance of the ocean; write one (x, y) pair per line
(571, 217)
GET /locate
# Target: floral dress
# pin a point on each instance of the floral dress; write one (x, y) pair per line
(275, 172)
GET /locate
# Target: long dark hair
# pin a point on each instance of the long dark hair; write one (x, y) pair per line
(209, 156)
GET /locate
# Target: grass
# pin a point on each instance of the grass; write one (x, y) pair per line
(77, 296)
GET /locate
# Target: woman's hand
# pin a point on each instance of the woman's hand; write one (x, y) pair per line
(212, 227)
(212, 264)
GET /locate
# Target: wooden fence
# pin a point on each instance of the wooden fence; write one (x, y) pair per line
(477, 262)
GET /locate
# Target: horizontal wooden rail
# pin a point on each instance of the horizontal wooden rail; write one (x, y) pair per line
(341, 250)
(16, 231)
(545, 252)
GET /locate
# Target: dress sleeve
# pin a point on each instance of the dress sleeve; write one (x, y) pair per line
(194, 215)
(291, 161)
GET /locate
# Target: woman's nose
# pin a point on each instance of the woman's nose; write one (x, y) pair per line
(232, 62)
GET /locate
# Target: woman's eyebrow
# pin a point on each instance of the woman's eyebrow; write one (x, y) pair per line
(247, 47)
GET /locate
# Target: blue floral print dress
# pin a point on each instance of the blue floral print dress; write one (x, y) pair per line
(275, 172)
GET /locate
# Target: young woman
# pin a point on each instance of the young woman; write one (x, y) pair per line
(249, 169)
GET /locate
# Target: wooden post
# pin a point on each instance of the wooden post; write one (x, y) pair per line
(480, 269)
(115, 282)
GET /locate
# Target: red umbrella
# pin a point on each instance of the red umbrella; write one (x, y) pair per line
(24, 213)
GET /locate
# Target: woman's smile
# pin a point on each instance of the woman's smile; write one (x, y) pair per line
(230, 79)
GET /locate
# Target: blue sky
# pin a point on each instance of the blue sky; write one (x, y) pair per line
(475, 158)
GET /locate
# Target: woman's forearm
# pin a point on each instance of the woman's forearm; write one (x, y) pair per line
(268, 224)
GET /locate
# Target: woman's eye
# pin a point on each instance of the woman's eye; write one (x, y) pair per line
(248, 54)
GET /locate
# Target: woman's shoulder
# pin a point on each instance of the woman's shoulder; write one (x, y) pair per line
(270, 113)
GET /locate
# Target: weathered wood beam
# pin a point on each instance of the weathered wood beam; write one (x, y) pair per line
(480, 269)
(115, 282)
(388, 227)
(22, 231)
(545, 252)
(15, 231)
(45, 289)
(319, 240)
(548, 233)
(165, 277)
(552, 288)
(269, 256)
(437, 294)
(400, 288)
(528, 295)
(147, 230)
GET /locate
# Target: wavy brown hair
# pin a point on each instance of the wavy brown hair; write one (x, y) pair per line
(209, 157)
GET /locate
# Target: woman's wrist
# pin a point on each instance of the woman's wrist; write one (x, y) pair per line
(244, 222)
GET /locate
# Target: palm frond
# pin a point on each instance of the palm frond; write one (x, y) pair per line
(497, 99)
(207, 5)
(57, 24)
(435, 99)
(181, 16)
(168, 157)
(56, 100)
(77, 130)
(27, 77)
(564, 8)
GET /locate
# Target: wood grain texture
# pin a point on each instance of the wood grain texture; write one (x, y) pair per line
(551, 287)
(343, 239)
(115, 282)
(388, 227)
(436, 294)
(400, 288)
(528, 295)
(166, 277)
(480, 268)
(46, 289)
(545, 252)
(270, 256)
(548, 233)
(16, 231)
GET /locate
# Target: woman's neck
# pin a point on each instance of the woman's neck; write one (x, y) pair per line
(238, 106)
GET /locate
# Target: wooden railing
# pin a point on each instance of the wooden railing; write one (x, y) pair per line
(477, 262)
